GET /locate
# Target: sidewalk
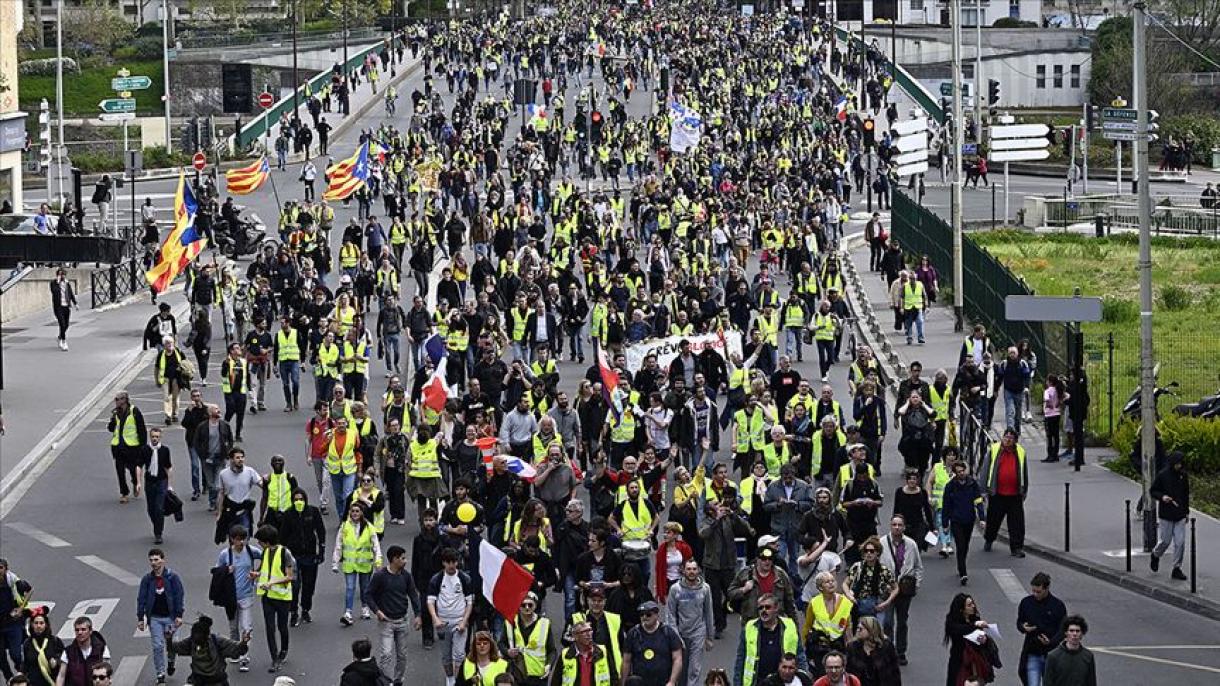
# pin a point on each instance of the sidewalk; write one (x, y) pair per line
(48, 392)
(1098, 534)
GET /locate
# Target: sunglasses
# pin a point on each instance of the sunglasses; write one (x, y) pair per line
(100, 677)
(868, 551)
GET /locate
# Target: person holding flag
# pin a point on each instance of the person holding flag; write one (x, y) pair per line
(183, 244)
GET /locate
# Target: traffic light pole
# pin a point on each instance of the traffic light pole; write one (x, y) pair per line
(1084, 146)
(959, 288)
(978, 71)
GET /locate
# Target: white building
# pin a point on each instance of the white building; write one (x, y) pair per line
(933, 12)
(12, 121)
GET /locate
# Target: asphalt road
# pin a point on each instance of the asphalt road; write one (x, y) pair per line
(84, 551)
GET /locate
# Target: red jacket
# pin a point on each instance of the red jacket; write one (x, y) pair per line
(662, 582)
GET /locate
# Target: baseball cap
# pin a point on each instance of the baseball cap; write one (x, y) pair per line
(766, 540)
(648, 606)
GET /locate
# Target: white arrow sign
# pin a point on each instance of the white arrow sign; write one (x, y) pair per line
(1019, 131)
(910, 158)
(117, 116)
(919, 168)
(910, 126)
(1019, 143)
(1020, 155)
(911, 143)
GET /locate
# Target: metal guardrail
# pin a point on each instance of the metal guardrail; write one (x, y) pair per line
(913, 88)
(221, 39)
(1172, 214)
(112, 284)
(38, 249)
(973, 439)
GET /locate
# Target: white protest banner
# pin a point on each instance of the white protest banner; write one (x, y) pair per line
(666, 349)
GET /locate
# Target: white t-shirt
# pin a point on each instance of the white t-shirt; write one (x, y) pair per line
(237, 485)
(451, 601)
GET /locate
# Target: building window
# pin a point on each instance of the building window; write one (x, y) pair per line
(917, 5)
(1040, 81)
(1058, 75)
(1075, 76)
(1014, 9)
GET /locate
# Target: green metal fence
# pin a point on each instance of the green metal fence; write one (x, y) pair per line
(257, 127)
(988, 282)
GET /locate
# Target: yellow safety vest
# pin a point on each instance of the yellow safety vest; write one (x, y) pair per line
(940, 479)
(423, 460)
(279, 492)
(226, 386)
(824, 327)
(636, 525)
(912, 295)
(360, 367)
(488, 675)
(328, 361)
(613, 623)
(518, 324)
(737, 378)
(790, 639)
(357, 551)
(344, 462)
(748, 431)
(274, 567)
(349, 255)
(125, 432)
(623, 431)
(940, 402)
(794, 316)
(457, 341)
(769, 326)
(840, 439)
(347, 317)
(775, 459)
(831, 626)
(533, 650)
(995, 453)
(289, 350)
(378, 517)
(571, 670)
(747, 494)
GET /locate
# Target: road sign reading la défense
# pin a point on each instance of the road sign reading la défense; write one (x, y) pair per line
(1120, 113)
(130, 83)
(265, 100)
(199, 161)
(1051, 308)
(118, 105)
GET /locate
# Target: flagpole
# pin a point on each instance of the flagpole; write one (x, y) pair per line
(279, 207)
(224, 315)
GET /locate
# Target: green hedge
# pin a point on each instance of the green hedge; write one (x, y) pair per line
(1198, 439)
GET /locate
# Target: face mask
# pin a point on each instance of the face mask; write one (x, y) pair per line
(298, 505)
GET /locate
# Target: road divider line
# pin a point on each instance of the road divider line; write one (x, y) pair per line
(128, 671)
(49, 540)
(110, 569)
(39, 459)
(1009, 584)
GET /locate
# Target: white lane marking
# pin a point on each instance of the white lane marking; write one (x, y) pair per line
(1159, 660)
(110, 569)
(49, 540)
(27, 472)
(1122, 552)
(128, 671)
(1009, 584)
(98, 610)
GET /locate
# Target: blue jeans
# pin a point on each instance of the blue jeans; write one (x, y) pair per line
(1012, 409)
(914, 317)
(389, 344)
(789, 547)
(290, 376)
(158, 627)
(349, 588)
(792, 342)
(196, 471)
(1034, 666)
(342, 485)
(576, 343)
(569, 595)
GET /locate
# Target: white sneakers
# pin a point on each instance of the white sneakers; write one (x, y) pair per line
(63, 345)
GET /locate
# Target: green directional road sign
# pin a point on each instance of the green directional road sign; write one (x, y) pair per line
(1119, 113)
(946, 88)
(118, 105)
(130, 83)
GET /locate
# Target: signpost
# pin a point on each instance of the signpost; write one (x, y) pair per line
(912, 144)
(130, 83)
(265, 101)
(1118, 125)
(1016, 143)
(123, 108)
(118, 105)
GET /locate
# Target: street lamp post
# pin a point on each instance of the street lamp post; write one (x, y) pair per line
(295, 84)
(59, 101)
(959, 288)
(165, 19)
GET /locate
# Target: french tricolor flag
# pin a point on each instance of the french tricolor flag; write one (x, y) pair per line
(435, 392)
(505, 583)
(609, 384)
(841, 108)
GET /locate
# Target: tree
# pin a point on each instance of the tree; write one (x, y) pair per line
(94, 26)
(1113, 57)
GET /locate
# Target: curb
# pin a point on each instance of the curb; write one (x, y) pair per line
(1193, 604)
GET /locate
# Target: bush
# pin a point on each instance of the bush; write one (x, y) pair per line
(1198, 439)
(155, 158)
(96, 162)
(1203, 127)
(1014, 23)
(1175, 298)
(46, 67)
(1117, 311)
(124, 54)
(147, 48)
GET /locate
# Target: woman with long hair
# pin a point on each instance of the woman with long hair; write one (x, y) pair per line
(43, 652)
(533, 522)
(870, 585)
(357, 551)
(483, 662)
(1054, 399)
(871, 656)
(962, 620)
(627, 598)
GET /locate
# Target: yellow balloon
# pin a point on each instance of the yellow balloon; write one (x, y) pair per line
(466, 513)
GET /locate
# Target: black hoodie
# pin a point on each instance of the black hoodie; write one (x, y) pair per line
(1174, 483)
(360, 673)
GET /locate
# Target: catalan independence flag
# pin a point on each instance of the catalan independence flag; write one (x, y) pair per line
(182, 245)
(346, 176)
(248, 179)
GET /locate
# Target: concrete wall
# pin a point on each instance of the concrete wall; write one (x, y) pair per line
(198, 92)
(33, 293)
(10, 162)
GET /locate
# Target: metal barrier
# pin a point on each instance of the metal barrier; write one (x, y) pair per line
(1174, 214)
(38, 249)
(974, 440)
(112, 284)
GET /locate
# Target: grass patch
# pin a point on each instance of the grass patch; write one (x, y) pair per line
(1185, 308)
(83, 91)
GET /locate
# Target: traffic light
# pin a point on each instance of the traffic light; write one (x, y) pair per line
(1091, 115)
(190, 134)
(993, 91)
(205, 133)
(596, 120)
(869, 128)
(44, 134)
(1153, 126)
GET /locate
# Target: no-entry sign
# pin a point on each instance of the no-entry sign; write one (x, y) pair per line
(265, 100)
(199, 161)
